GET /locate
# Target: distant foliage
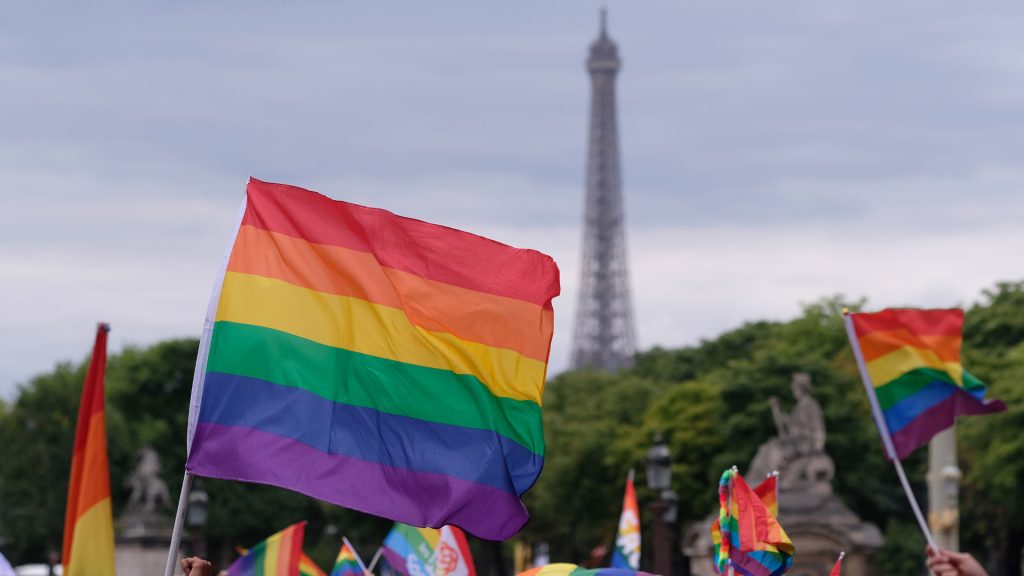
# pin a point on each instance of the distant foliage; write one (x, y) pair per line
(709, 400)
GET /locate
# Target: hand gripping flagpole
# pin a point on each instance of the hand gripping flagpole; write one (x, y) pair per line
(883, 428)
(198, 379)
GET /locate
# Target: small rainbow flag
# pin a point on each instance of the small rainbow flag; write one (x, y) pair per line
(347, 564)
(88, 519)
(410, 550)
(768, 492)
(309, 568)
(278, 555)
(627, 544)
(912, 369)
(753, 542)
(564, 569)
(377, 362)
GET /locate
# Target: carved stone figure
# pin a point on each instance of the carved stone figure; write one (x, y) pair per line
(798, 452)
(817, 521)
(149, 492)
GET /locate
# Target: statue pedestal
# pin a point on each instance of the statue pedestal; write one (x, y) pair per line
(143, 539)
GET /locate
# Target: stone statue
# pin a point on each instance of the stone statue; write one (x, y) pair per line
(814, 518)
(149, 492)
(798, 452)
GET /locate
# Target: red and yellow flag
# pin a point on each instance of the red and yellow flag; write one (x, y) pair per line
(89, 522)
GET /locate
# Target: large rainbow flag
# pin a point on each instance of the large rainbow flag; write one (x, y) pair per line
(627, 543)
(376, 362)
(917, 382)
(88, 519)
(278, 555)
(753, 542)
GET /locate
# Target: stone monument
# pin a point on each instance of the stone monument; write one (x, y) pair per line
(144, 528)
(817, 522)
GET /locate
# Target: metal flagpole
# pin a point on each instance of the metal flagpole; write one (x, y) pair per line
(356, 554)
(375, 559)
(179, 521)
(883, 429)
(198, 380)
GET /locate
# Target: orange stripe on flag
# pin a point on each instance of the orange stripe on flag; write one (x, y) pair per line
(88, 523)
(471, 315)
(878, 344)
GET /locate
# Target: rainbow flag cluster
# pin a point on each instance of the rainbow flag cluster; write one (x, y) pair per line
(912, 360)
(752, 541)
(379, 363)
(278, 555)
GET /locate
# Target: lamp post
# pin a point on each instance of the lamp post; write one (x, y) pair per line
(663, 509)
(198, 513)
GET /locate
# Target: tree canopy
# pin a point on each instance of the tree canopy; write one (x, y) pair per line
(708, 400)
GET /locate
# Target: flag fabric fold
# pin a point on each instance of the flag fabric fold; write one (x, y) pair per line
(88, 521)
(377, 362)
(627, 543)
(919, 386)
(278, 555)
(752, 541)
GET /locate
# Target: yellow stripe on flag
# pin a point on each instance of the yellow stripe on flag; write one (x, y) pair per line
(898, 362)
(382, 331)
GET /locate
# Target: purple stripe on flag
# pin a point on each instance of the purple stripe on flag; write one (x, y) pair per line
(417, 498)
(938, 418)
(395, 561)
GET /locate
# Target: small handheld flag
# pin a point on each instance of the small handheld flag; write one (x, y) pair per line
(347, 563)
(627, 543)
(911, 366)
(909, 362)
(768, 492)
(278, 555)
(409, 550)
(88, 520)
(753, 542)
(376, 362)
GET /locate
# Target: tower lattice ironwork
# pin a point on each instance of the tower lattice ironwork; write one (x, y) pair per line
(604, 337)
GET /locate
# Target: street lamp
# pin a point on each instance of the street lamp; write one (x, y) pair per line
(198, 513)
(663, 509)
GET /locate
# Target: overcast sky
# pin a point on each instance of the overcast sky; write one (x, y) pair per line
(773, 152)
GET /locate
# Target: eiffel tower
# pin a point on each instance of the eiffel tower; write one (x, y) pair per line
(604, 317)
